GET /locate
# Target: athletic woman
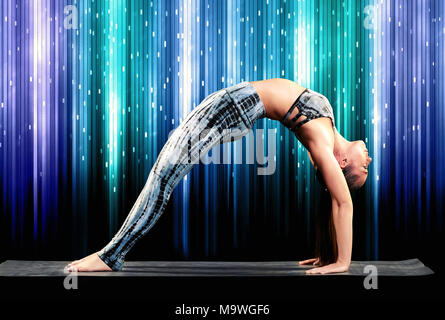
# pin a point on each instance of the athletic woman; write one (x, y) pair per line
(341, 165)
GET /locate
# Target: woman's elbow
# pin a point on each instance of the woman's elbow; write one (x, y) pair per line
(346, 208)
(344, 204)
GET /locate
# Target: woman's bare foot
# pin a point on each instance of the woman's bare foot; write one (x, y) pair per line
(89, 263)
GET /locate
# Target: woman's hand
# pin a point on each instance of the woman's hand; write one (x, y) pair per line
(314, 262)
(330, 268)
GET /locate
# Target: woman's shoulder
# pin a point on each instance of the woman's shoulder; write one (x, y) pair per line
(317, 133)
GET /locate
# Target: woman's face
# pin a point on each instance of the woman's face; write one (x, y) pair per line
(360, 160)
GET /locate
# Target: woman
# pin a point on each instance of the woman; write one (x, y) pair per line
(341, 165)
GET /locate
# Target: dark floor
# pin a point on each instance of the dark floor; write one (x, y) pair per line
(24, 268)
(164, 293)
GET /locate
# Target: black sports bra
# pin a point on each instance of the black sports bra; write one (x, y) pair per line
(312, 105)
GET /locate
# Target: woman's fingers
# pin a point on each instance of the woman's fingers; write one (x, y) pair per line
(319, 270)
(330, 268)
(308, 261)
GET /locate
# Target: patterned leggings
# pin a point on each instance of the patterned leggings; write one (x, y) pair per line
(227, 114)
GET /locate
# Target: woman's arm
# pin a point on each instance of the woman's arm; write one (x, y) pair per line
(342, 209)
(342, 216)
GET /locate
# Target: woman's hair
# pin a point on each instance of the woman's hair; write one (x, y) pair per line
(326, 240)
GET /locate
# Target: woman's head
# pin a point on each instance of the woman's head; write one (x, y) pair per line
(354, 164)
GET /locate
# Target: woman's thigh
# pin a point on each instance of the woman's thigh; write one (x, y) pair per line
(214, 121)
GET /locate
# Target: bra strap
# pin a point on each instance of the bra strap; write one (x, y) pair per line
(294, 119)
(297, 116)
(290, 111)
(293, 106)
(299, 124)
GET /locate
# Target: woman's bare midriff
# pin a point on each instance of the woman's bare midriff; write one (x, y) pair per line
(277, 95)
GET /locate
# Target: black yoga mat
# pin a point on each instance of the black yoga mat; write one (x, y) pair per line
(22, 268)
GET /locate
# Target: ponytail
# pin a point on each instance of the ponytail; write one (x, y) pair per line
(326, 239)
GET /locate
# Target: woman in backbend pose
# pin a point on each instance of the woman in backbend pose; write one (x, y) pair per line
(341, 164)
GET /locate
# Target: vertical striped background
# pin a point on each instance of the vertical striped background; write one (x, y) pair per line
(85, 111)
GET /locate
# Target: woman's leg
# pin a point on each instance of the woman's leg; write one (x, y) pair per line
(220, 117)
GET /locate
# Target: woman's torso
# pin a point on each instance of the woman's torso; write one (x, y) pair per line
(278, 95)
